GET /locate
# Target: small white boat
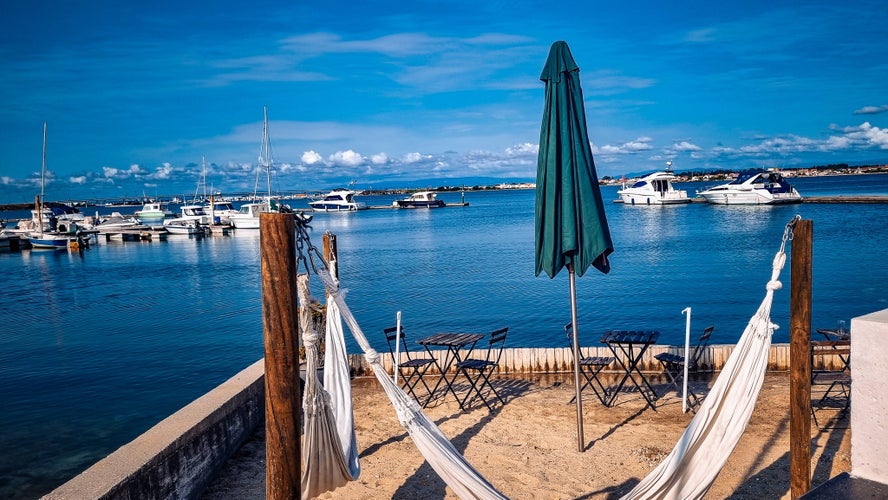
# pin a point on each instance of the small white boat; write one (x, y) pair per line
(247, 217)
(338, 200)
(116, 222)
(192, 212)
(192, 220)
(184, 226)
(57, 241)
(421, 199)
(654, 189)
(154, 211)
(220, 212)
(753, 187)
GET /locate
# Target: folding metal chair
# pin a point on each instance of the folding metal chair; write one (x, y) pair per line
(831, 369)
(590, 367)
(412, 370)
(673, 364)
(481, 368)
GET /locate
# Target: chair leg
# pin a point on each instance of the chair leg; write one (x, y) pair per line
(412, 378)
(674, 374)
(590, 373)
(477, 387)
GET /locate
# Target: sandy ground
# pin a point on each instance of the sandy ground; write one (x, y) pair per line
(528, 447)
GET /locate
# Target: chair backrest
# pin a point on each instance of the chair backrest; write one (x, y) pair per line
(568, 333)
(391, 337)
(496, 344)
(700, 348)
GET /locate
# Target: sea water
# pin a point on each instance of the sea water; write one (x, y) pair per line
(98, 346)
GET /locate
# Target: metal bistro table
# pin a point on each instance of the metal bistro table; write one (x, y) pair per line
(629, 347)
(459, 346)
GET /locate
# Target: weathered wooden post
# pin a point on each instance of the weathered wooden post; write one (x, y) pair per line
(281, 332)
(330, 252)
(800, 359)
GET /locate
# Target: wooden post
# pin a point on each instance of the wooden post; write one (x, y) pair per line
(800, 359)
(281, 332)
(330, 252)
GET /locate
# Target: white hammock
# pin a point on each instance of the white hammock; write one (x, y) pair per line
(329, 449)
(689, 470)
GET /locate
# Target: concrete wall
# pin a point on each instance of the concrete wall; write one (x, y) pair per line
(869, 399)
(178, 457)
(560, 359)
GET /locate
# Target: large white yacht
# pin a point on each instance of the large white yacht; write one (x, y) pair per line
(338, 200)
(654, 189)
(753, 187)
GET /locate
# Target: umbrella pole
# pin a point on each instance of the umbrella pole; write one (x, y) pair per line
(576, 355)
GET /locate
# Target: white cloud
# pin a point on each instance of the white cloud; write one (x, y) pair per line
(311, 157)
(684, 146)
(413, 158)
(379, 159)
(162, 172)
(109, 172)
(868, 135)
(871, 110)
(639, 144)
(346, 158)
(80, 179)
(522, 149)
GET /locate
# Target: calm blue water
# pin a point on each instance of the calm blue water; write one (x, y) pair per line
(99, 346)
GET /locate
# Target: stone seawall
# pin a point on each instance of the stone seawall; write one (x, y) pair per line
(178, 457)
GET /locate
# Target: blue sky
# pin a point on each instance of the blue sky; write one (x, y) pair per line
(424, 92)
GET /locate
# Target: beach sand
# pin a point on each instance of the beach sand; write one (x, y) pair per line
(528, 447)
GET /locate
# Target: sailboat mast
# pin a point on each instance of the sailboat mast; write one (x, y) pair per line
(42, 183)
(267, 146)
(202, 181)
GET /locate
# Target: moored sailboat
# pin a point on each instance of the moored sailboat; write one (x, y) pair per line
(247, 216)
(55, 235)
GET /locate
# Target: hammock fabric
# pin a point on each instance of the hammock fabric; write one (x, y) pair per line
(689, 470)
(330, 457)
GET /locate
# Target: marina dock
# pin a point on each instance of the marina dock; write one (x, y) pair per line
(446, 205)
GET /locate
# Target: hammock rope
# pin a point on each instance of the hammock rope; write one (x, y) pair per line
(701, 452)
(434, 446)
(330, 458)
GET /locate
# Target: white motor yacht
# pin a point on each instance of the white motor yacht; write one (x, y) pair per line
(338, 200)
(753, 187)
(220, 212)
(247, 217)
(653, 189)
(421, 199)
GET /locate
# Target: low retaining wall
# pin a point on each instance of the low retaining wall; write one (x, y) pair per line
(560, 359)
(178, 457)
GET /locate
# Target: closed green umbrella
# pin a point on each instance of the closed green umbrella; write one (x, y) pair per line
(571, 227)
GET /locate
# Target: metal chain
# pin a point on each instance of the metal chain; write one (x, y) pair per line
(787, 231)
(307, 253)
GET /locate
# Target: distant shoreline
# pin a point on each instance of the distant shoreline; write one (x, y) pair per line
(606, 181)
